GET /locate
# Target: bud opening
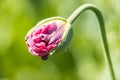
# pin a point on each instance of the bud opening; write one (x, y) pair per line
(46, 36)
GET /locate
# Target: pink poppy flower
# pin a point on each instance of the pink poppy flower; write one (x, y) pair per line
(46, 36)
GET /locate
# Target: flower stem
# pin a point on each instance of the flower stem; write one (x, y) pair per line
(81, 9)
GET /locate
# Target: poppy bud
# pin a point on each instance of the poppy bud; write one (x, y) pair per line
(48, 36)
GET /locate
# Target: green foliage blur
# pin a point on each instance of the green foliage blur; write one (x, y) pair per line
(83, 59)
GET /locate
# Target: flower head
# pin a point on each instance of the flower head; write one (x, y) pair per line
(46, 36)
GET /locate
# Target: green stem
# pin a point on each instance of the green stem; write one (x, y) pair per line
(81, 9)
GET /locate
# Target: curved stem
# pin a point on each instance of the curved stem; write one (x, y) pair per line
(81, 9)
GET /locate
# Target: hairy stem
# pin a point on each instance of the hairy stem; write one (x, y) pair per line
(81, 9)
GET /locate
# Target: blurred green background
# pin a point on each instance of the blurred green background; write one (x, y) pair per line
(83, 59)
